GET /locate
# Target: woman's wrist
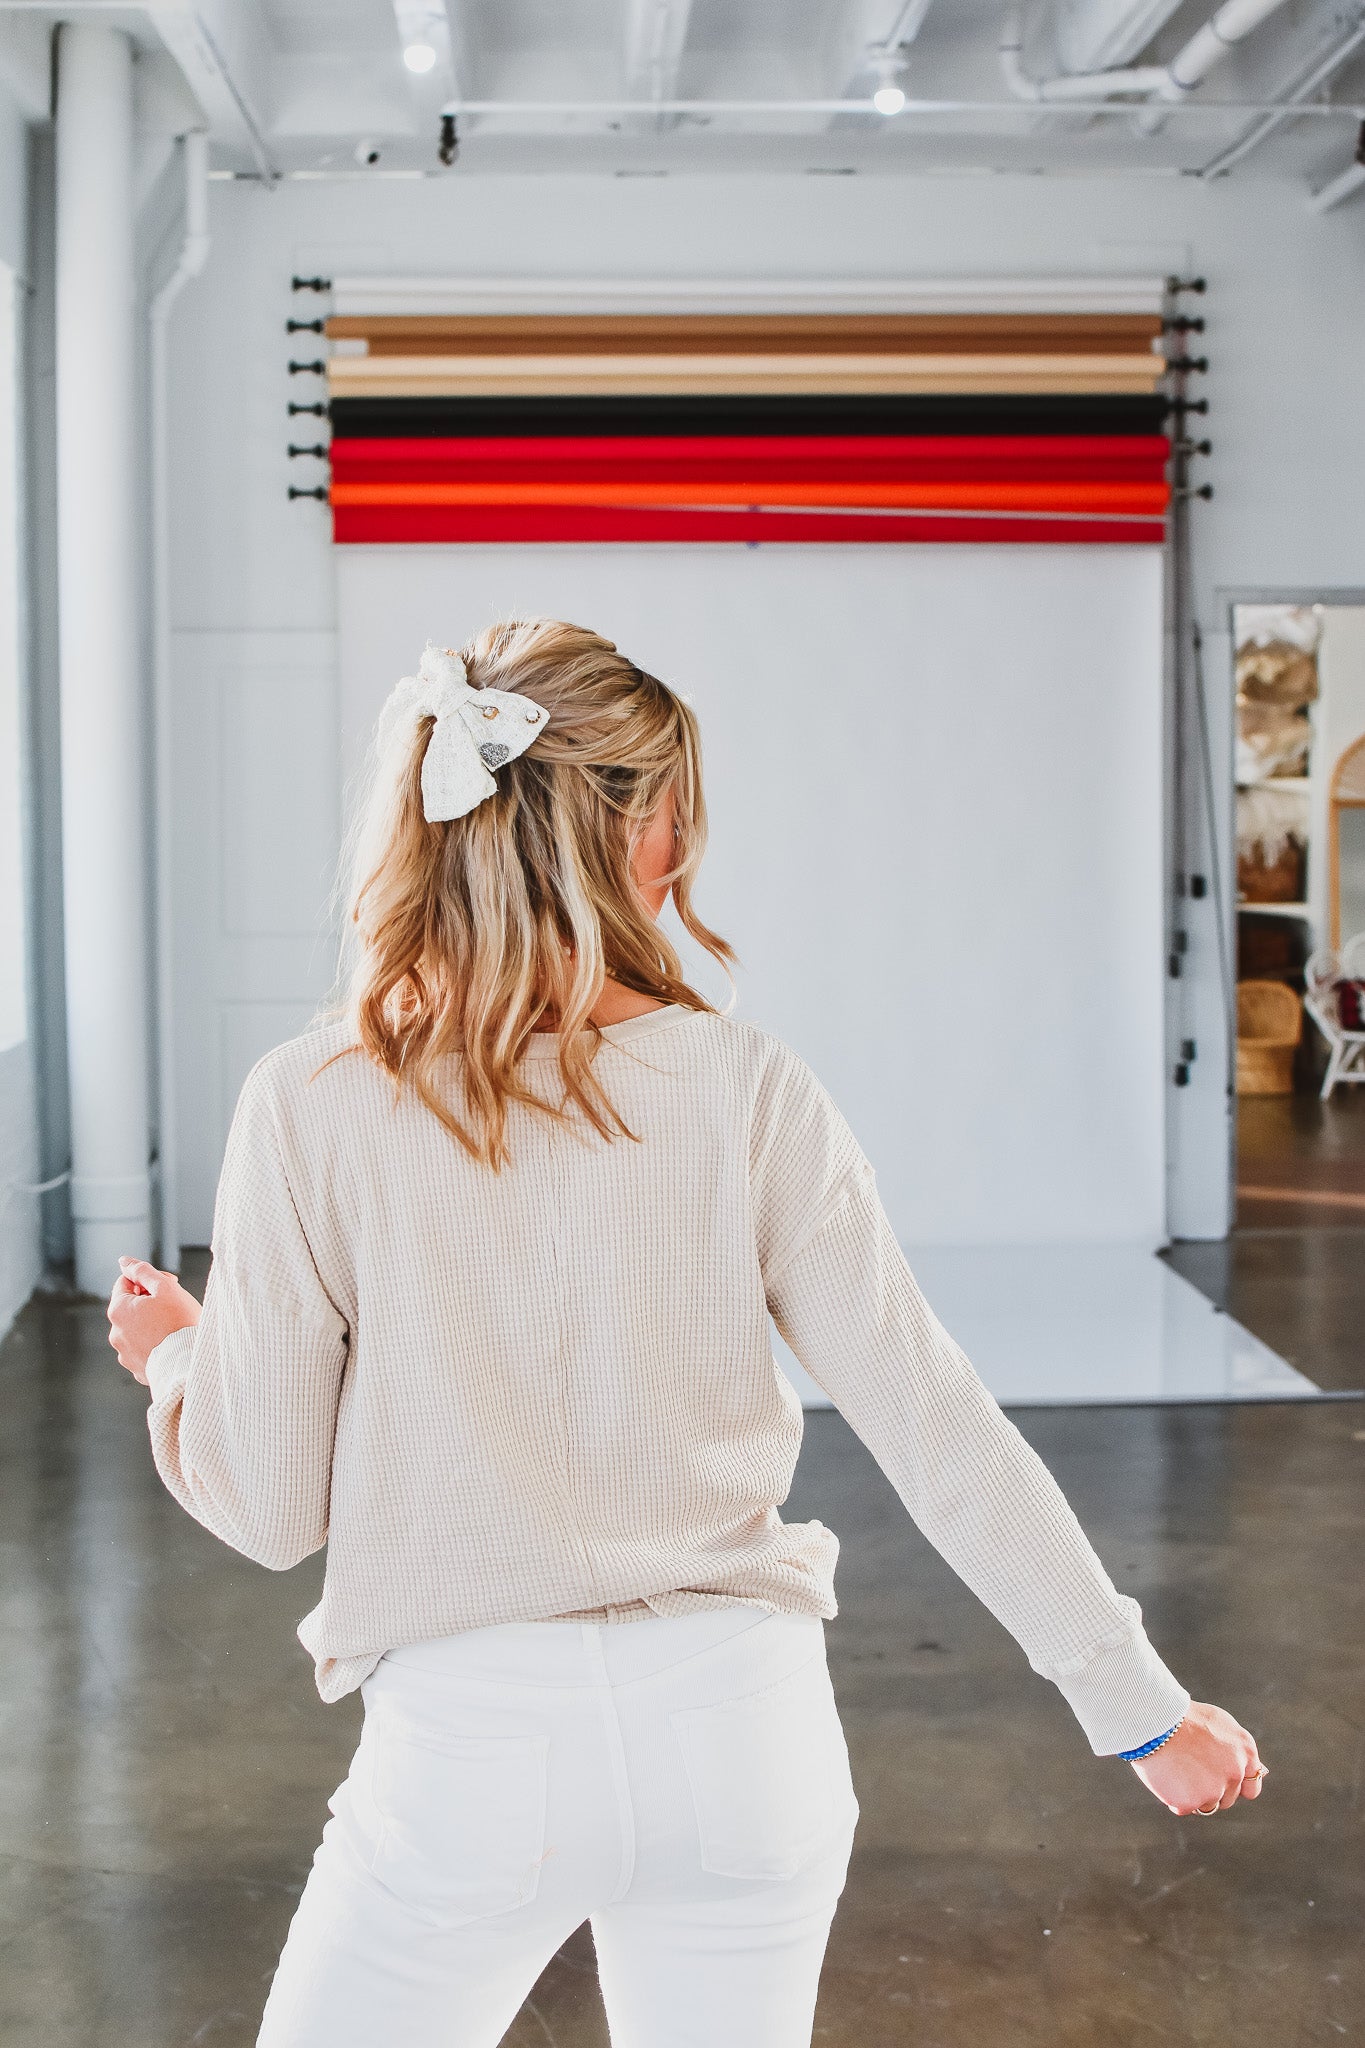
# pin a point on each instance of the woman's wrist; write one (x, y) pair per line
(1131, 1756)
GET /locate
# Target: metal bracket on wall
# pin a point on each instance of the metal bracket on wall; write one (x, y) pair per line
(312, 451)
(1191, 803)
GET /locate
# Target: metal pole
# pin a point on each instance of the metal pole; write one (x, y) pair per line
(194, 251)
(103, 731)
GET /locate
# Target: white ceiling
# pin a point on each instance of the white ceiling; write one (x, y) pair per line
(294, 85)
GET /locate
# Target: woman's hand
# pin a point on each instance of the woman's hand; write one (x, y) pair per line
(145, 1306)
(1209, 1760)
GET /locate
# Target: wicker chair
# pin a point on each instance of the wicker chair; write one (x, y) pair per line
(1269, 1023)
(1346, 1049)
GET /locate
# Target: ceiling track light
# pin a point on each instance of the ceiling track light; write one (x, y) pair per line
(449, 146)
(419, 57)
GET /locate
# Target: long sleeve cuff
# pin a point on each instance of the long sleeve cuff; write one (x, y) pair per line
(1123, 1695)
(169, 1361)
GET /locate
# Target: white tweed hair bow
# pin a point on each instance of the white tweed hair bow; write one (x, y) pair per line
(475, 731)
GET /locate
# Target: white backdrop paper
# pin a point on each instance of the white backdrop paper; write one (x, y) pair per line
(934, 777)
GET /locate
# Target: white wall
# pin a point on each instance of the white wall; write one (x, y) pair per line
(13, 923)
(255, 826)
(1284, 288)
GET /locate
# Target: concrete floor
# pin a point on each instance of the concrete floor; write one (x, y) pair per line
(1294, 1269)
(166, 1761)
(1301, 1161)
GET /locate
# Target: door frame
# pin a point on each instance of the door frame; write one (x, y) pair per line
(1226, 598)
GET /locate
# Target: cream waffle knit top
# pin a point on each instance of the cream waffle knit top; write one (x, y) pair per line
(550, 1393)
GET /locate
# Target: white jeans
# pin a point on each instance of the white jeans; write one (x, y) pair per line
(681, 1782)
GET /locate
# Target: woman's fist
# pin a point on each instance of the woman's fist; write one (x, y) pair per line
(1210, 1760)
(145, 1306)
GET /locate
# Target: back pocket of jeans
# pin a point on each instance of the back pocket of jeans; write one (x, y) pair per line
(461, 1818)
(768, 1774)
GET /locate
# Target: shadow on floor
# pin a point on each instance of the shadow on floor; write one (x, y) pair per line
(166, 1763)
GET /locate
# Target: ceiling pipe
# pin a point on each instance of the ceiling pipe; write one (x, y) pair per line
(1105, 35)
(1079, 85)
(1344, 185)
(908, 23)
(655, 38)
(194, 249)
(902, 32)
(1167, 84)
(713, 109)
(1232, 24)
(191, 43)
(1317, 74)
(656, 35)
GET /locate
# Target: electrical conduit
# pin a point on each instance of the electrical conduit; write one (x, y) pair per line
(194, 249)
(1232, 24)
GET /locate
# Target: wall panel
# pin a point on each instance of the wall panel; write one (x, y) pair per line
(256, 824)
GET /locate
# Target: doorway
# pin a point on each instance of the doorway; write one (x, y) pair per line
(1300, 824)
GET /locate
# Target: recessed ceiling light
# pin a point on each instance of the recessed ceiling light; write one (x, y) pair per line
(888, 99)
(419, 57)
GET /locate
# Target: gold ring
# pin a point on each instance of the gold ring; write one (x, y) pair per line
(1207, 1810)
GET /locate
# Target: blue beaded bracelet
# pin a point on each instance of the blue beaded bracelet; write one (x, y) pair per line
(1130, 1756)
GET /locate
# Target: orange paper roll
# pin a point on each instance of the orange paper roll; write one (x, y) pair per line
(1139, 498)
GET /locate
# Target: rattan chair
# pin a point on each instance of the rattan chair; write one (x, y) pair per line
(1269, 1024)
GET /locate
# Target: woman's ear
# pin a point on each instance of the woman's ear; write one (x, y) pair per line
(655, 853)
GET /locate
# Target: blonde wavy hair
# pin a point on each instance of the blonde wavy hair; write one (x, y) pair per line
(465, 936)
